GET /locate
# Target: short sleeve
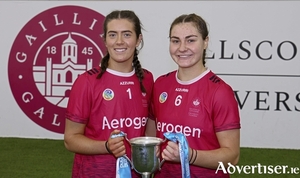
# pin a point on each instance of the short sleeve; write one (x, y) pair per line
(225, 109)
(79, 104)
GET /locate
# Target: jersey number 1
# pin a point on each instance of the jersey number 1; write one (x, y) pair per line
(129, 93)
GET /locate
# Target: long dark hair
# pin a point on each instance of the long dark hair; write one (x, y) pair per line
(133, 18)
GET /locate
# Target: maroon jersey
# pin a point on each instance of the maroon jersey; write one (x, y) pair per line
(198, 108)
(115, 101)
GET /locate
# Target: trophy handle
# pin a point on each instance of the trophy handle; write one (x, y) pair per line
(131, 165)
(164, 140)
(160, 164)
(125, 135)
(163, 160)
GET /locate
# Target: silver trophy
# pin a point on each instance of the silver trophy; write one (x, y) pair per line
(145, 155)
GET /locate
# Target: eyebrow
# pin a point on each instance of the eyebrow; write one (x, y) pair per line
(125, 31)
(185, 37)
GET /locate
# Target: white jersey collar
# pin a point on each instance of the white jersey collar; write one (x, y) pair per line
(194, 79)
(121, 74)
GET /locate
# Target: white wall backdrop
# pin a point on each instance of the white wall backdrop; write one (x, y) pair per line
(254, 46)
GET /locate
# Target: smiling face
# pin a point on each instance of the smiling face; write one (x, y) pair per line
(187, 46)
(121, 42)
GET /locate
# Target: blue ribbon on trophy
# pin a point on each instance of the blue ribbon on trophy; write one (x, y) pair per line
(183, 151)
(123, 169)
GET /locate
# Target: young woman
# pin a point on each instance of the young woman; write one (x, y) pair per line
(196, 102)
(108, 99)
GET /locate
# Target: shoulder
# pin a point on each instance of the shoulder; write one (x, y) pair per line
(88, 76)
(91, 73)
(215, 85)
(94, 71)
(215, 81)
(148, 76)
(220, 89)
(166, 77)
(147, 73)
(214, 78)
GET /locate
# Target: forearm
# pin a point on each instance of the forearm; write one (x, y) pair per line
(228, 152)
(77, 142)
(211, 158)
(81, 144)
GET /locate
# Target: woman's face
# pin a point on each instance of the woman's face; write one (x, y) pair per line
(186, 45)
(121, 41)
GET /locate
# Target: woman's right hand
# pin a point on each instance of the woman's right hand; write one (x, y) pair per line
(171, 152)
(116, 145)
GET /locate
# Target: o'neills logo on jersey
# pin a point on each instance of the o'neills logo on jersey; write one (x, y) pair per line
(48, 54)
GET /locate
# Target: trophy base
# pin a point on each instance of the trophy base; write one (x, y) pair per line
(146, 175)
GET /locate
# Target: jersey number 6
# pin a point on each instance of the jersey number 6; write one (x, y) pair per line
(178, 100)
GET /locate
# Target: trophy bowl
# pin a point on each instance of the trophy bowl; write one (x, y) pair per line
(145, 155)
